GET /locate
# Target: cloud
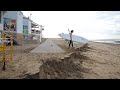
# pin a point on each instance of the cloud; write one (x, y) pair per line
(89, 24)
(110, 16)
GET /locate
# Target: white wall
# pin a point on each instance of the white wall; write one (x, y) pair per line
(19, 22)
(1, 26)
(0, 15)
(10, 14)
(25, 21)
(18, 16)
(29, 27)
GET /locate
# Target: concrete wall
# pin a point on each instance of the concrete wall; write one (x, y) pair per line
(29, 27)
(1, 26)
(20, 26)
(19, 22)
(0, 16)
(25, 21)
(10, 14)
(18, 16)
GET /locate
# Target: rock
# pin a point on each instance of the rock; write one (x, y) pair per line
(62, 58)
(67, 56)
(48, 76)
(56, 75)
(42, 74)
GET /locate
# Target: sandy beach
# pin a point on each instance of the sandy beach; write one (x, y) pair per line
(89, 61)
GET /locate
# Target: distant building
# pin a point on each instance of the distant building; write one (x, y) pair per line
(26, 27)
(14, 22)
(1, 19)
(37, 31)
(1, 24)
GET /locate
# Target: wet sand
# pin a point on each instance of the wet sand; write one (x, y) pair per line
(92, 61)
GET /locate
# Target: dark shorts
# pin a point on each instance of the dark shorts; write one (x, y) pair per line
(71, 42)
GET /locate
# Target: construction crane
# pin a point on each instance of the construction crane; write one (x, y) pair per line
(4, 48)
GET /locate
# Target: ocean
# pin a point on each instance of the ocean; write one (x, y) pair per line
(108, 41)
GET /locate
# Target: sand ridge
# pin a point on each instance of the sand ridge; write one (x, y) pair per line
(90, 61)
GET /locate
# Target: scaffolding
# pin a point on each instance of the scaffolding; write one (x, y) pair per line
(6, 52)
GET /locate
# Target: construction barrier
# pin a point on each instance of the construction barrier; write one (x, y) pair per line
(6, 51)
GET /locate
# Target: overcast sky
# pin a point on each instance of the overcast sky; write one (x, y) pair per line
(88, 24)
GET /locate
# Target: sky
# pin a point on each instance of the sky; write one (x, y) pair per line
(88, 24)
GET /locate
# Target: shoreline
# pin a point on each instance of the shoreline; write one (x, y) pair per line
(108, 43)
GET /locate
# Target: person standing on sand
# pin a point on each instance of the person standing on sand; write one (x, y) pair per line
(71, 42)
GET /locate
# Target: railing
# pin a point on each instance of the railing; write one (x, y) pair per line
(14, 36)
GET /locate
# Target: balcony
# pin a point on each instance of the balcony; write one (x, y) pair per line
(35, 32)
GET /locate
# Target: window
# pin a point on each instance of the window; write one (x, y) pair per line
(25, 30)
